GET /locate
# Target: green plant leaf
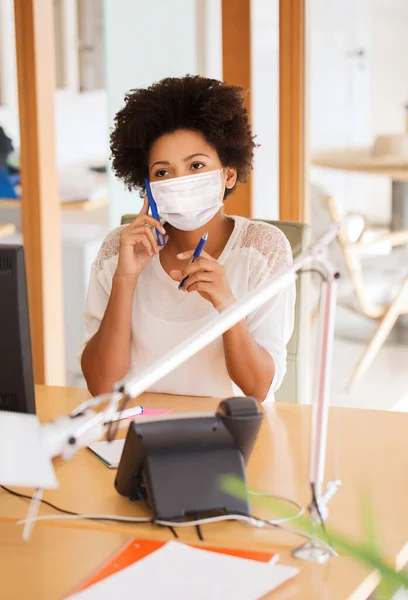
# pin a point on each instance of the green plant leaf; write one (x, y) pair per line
(366, 552)
(368, 524)
(386, 590)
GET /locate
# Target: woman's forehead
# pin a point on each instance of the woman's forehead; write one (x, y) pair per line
(180, 145)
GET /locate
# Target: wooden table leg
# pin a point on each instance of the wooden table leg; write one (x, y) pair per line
(399, 220)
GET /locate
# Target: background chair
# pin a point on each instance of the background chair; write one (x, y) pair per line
(293, 388)
(374, 268)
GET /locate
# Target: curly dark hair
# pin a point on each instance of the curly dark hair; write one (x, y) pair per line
(195, 103)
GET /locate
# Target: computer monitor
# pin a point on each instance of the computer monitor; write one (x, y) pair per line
(16, 367)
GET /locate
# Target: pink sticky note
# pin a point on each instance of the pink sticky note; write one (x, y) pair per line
(154, 412)
(133, 413)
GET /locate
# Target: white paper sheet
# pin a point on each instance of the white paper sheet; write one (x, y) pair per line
(109, 452)
(23, 459)
(179, 572)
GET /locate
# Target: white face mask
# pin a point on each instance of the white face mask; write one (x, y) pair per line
(188, 203)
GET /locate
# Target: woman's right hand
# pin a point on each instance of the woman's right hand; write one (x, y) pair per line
(138, 244)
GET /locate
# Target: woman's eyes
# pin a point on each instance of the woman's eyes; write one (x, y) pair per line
(161, 173)
(197, 165)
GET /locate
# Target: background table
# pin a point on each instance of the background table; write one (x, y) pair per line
(6, 229)
(356, 161)
(373, 459)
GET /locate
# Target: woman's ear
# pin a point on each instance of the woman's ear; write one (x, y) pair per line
(230, 177)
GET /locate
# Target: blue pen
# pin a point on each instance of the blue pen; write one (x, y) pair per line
(196, 254)
(153, 207)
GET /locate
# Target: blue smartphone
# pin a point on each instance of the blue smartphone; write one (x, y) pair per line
(155, 214)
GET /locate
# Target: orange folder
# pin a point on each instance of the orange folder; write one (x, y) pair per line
(138, 548)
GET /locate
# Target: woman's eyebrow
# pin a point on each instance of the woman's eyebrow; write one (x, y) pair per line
(186, 159)
(190, 156)
(160, 162)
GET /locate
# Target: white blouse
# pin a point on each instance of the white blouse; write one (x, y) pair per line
(163, 316)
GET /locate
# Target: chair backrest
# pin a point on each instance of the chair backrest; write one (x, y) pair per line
(294, 381)
(294, 384)
(127, 219)
(325, 211)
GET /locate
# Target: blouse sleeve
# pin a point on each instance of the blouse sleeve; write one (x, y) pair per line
(95, 306)
(272, 324)
(99, 288)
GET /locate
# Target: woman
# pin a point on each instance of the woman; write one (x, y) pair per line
(191, 137)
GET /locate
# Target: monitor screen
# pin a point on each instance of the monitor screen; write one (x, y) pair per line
(16, 368)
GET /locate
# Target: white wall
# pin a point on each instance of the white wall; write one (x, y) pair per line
(353, 99)
(340, 90)
(144, 42)
(265, 107)
(81, 126)
(389, 65)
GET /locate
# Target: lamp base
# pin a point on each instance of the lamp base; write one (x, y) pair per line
(312, 551)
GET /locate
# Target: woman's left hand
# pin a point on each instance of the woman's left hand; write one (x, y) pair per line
(207, 277)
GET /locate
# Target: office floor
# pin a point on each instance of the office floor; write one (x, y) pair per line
(384, 387)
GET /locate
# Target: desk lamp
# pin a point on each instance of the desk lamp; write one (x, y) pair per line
(64, 436)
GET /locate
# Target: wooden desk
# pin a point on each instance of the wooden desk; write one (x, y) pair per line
(373, 459)
(57, 559)
(53, 562)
